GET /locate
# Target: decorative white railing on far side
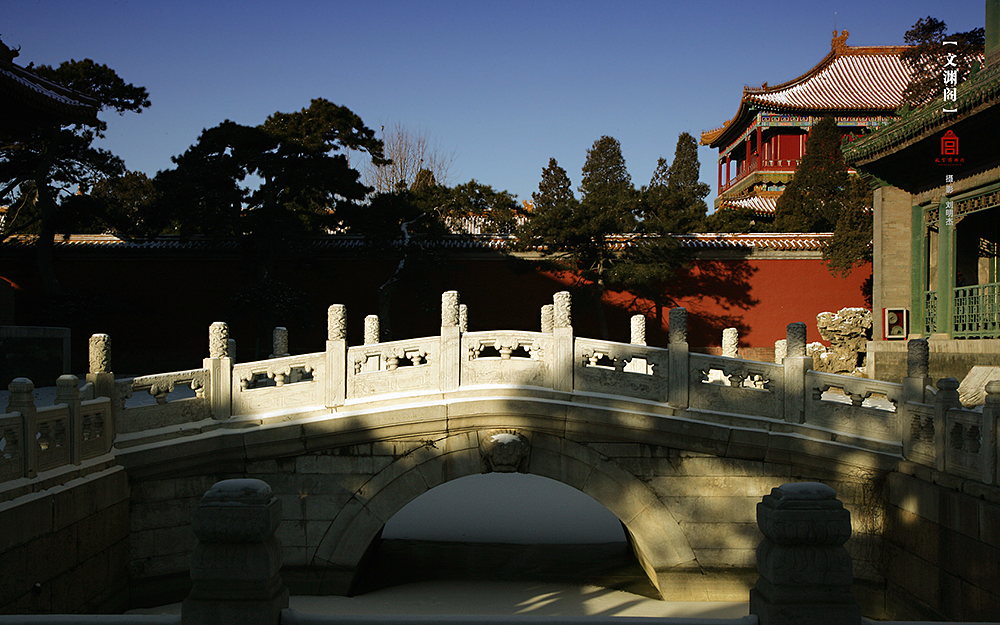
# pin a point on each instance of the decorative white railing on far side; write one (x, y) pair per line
(888, 418)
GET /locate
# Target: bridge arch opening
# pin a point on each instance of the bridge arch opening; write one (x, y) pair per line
(504, 527)
(353, 536)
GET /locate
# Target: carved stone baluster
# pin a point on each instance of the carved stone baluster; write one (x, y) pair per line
(678, 330)
(562, 341)
(947, 398)
(463, 318)
(780, 351)
(637, 329)
(279, 342)
(220, 371)
(100, 353)
(730, 342)
(805, 571)
(796, 365)
(100, 374)
(562, 310)
(22, 400)
(371, 330)
(677, 372)
(336, 356)
(68, 392)
(336, 323)
(451, 342)
(218, 340)
(548, 318)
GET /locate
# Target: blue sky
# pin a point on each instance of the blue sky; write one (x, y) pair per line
(504, 85)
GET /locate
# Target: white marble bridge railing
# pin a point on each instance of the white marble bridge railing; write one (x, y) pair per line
(911, 420)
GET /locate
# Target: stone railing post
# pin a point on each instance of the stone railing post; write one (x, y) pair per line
(796, 365)
(100, 374)
(637, 330)
(548, 318)
(562, 341)
(371, 330)
(22, 400)
(947, 398)
(991, 422)
(463, 318)
(234, 568)
(780, 351)
(279, 342)
(804, 570)
(220, 371)
(677, 373)
(451, 341)
(336, 355)
(68, 392)
(731, 343)
(914, 385)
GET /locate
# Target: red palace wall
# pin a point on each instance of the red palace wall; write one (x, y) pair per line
(157, 305)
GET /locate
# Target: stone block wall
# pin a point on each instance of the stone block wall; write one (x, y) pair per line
(65, 549)
(942, 547)
(713, 500)
(161, 540)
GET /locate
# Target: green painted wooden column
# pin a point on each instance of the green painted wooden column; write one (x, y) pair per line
(918, 270)
(945, 271)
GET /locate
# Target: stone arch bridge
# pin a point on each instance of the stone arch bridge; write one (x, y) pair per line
(678, 445)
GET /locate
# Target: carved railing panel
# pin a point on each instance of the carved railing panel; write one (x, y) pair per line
(394, 367)
(919, 447)
(732, 385)
(519, 358)
(95, 430)
(52, 436)
(970, 447)
(278, 383)
(853, 405)
(11, 447)
(620, 369)
(145, 402)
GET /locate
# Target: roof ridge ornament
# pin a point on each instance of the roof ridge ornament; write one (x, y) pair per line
(839, 42)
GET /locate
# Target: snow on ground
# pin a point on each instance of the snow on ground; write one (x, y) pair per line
(539, 599)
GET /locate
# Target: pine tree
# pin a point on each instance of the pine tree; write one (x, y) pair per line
(929, 56)
(812, 200)
(674, 201)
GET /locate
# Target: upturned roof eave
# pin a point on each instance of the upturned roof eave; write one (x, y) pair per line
(720, 137)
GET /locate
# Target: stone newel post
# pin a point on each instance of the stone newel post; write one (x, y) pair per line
(234, 568)
(371, 330)
(100, 374)
(677, 372)
(947, 398)
(562, 341)
(637, 330)
(220, 371)
(451, 340)
(548, 318)
(796, 364)
(731, 342)
(805, 571)
(279, 342)
(336, 355)
(22, 400)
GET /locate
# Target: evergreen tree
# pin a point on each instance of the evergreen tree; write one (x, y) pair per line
(575, 235)
(606, 188)
(674, 201)
(812, 201)
(851, 243)
(929, 57)
(42, 166)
